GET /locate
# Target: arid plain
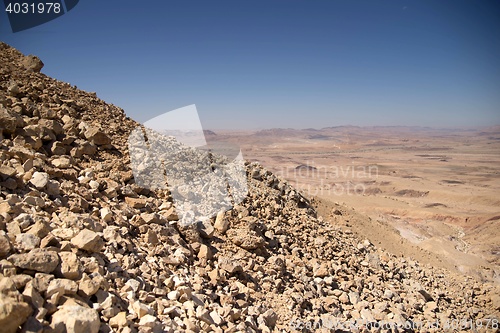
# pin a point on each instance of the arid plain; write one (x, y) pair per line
(431, 194)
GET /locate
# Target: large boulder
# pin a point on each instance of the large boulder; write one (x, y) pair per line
(32, 63)
(39, 260)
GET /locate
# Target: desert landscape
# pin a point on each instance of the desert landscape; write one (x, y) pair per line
(435, 188)
(340, 230)
(250, 166)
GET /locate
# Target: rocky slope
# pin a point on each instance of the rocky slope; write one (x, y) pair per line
(84, 249)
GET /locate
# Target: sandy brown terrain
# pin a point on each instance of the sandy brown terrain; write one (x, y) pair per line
(438, 189)
(87, 246)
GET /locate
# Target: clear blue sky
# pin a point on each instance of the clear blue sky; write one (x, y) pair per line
(276, 63)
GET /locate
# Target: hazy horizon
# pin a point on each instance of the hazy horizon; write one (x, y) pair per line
(276, 64)
(437, 128)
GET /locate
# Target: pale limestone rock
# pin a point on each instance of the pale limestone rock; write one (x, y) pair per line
(62, 162)
(205, 252)
(75, 319)
(147, 321)
(136, 202)
(39, 179)
(39, 260)
(62, 286)
(27, 242)
(70, 267)
(140, 309)
(96, 136)
(32, 63)
(87, 286)
(13, 314)
(205, 229)
(230, 265)
(118, 321)
(5, 246)
(106, 214)
(221, 222)
(88, 240)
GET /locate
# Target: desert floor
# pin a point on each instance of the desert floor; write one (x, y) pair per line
(425, 193)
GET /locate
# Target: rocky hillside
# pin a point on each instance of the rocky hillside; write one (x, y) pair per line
(84, 249)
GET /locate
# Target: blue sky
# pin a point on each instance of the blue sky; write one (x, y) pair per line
(276, 63)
